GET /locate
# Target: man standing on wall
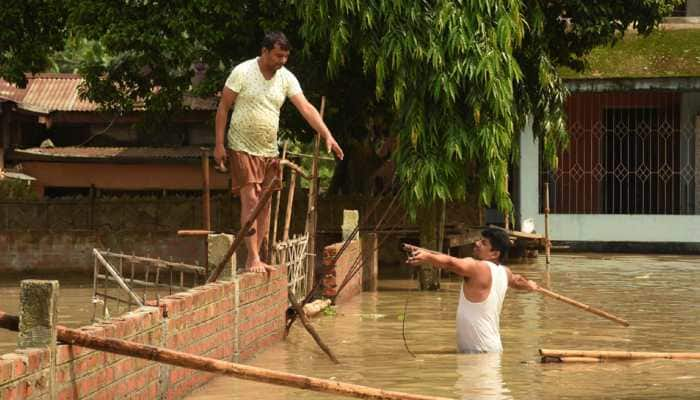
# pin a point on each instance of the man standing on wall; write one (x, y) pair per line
(258, 88)
(484, 284)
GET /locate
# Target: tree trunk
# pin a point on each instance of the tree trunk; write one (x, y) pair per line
(429, 223)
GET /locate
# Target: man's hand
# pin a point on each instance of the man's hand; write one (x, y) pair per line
(220, 156)
(522, 283)
(416, 255)
(332, 145)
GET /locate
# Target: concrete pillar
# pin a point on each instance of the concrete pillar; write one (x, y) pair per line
(369, 252)
(38, 315)
(217, 247)
(350, 220)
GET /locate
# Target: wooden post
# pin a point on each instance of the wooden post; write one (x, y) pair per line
(370, 257)
(547, 244)
(311, 217)
(91, 211)
(37, 320)
(278, 198)
(206, 204)
(290, 205)
(5, 134)
(185, 360)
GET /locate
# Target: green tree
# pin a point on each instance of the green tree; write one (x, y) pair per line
(460, 78)
(31, 31)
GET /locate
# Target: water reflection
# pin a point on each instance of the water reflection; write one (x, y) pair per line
(479, 377)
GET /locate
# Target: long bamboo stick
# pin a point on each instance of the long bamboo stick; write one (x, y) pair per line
(300, 170)
(618, 355)
(278, 198)
(312, 212)
(566, 360)
(547, 243)
(267, 193)
(206, 205)
(186, 360)
(583, 306)
(290, 205)
(310, 328)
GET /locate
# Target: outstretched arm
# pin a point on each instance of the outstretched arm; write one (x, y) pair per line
(519, 282)
(461, 266)
(311, 115)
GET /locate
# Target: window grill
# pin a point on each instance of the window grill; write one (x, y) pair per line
(629, 153)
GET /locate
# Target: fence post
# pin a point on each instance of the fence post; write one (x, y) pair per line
(37, 320)
(369, 252)
(217, 246)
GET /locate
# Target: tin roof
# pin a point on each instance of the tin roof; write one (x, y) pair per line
(46, 93)
(114, 152)
(10, 92)
(109, 154)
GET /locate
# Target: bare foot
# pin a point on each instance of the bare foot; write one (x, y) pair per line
(260, 267)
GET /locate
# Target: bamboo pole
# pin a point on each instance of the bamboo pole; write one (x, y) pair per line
(310, 329)
(278, 198)
(191, 361)
(618, 355)
(175, 266)
(311, 216)
(118, 279)
(296, 168)
(547, 244)
(506, 217)
(206, 205)
(583, 306)
(290, 205)
(567, 360)
(267, 193)
(194, 232)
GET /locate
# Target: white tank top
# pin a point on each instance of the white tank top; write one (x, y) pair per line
(478, 323)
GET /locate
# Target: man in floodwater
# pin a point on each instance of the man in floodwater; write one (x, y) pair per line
(258, 88)
(484, 285)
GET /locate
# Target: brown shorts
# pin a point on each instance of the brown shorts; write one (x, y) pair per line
(247, 169)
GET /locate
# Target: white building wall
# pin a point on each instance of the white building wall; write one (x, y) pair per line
(596, 227)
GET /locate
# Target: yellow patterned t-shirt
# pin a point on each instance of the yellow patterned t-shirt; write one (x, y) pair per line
(256, 113)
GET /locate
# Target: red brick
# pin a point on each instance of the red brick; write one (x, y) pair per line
(19, 363)
(36, 358)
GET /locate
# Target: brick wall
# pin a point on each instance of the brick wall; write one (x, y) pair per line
(334, 274)
(224, 320)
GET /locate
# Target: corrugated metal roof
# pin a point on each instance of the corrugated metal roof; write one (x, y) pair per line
(16, 175)
(122, 153)
(11, 92)
(55, 92)
(47, 93)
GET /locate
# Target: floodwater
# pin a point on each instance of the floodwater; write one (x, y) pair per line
(74, 302)
(658, 295)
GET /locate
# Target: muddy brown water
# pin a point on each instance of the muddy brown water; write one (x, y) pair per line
(658, 295)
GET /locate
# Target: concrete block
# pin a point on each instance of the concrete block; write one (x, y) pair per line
(217, 247)
(350, 220)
